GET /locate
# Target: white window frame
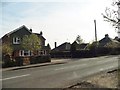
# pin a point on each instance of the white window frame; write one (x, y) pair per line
(22, 53)
(16, 40)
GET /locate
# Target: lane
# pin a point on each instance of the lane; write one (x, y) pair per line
(50, 69)
(56, 67)
(72, 62)
(58, 75)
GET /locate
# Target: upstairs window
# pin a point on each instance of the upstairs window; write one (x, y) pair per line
(16, 40)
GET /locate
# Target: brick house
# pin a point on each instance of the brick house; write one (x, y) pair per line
(15, 38)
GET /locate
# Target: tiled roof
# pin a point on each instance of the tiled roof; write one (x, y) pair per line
(39, 35)
(67, 46)
(106, 40)
(45, 48)
(63, 47)
(19, 29)
(81, 46)
(23, 26)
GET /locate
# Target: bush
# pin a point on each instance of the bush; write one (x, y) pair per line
(61, 54)
(19, 61)
(7, 61)
(40, 59)
(82, 54)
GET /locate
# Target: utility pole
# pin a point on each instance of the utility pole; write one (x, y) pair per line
(95, 31)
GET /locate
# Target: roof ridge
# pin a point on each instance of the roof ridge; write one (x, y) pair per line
(18, 29)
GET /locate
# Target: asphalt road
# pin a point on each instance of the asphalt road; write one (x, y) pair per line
(57, 76)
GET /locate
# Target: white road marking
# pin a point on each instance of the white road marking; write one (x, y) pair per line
(75, 66)
(112, 66)
(14, 77)
(59, 68)
(75, 74)
(101, 69)
(100, 62)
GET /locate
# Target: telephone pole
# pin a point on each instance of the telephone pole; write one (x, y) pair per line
(95, 31)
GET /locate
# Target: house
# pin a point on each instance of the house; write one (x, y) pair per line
(61, 51)
(66, 49)
(107, 41)
(116, 38)
(108, 46)
(77, 47)
(15, 38)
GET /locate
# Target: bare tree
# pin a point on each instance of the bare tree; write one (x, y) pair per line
(112, 15)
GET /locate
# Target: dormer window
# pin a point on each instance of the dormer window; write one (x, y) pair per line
(16, 40)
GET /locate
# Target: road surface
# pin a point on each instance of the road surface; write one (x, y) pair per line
(57, 76)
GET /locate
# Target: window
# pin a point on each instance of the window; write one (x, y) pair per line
(21, 53)
(25, 53)
(16, 40)
(42, 52)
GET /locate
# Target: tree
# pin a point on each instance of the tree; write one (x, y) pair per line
(93, 45)
(111, 15)
(79, 40)
(31, 42)
(6, 55)
(7, 49)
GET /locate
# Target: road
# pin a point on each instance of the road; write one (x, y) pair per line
(57, 76)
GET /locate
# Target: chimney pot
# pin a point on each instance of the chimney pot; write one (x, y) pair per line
(55, 44)
(106, 35)
(31, 30)
(41, 33)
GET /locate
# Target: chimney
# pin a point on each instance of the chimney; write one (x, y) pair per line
(55, 44)
(41, 33)
(106, 35)
(30, 30)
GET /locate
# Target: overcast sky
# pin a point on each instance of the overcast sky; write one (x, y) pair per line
(60, 20)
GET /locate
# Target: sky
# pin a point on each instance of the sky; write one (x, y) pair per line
(59, 20)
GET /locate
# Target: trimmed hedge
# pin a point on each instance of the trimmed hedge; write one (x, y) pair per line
(83, 54)
(40, 59)
(8, 62)
(94, 52)
(19, 61)
(60, 54)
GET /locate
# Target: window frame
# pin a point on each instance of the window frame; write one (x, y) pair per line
(16, 40)
(25, 53)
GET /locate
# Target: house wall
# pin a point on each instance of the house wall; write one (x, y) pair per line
(42, 42)
(6, 39)
(20, 33)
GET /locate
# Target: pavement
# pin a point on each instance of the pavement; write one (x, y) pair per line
(58, 75)
(53, 62)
